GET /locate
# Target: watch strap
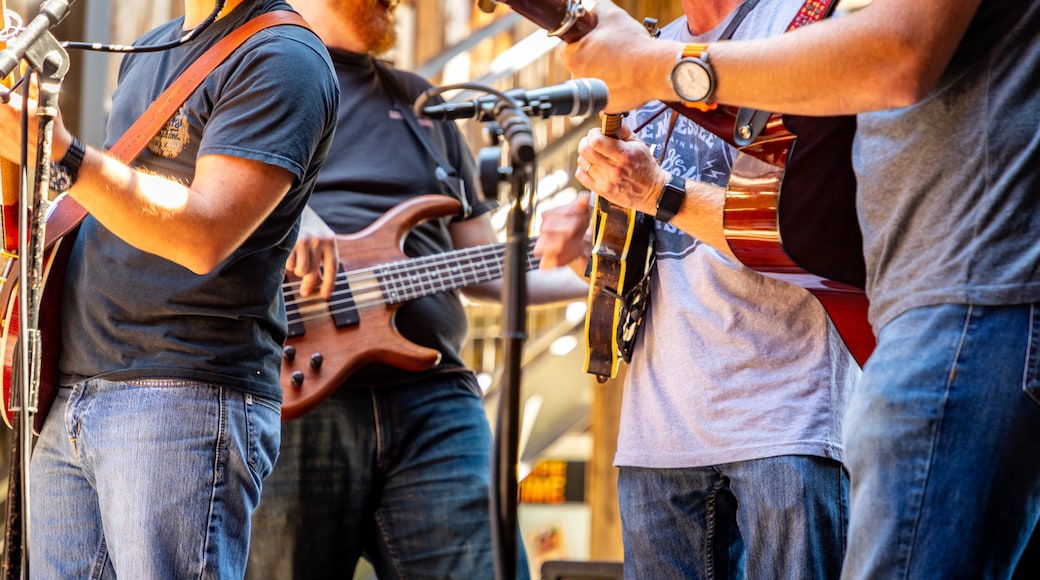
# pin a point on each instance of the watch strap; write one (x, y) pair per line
(63, 173)
(670, 200)
(692, 50)
(73, 157)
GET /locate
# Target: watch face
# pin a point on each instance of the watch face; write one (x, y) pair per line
(691, 80)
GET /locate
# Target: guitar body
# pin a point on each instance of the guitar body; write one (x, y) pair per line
(374, 337)
(793, 216)
(622, 256)
(55, 261)
(62, 220)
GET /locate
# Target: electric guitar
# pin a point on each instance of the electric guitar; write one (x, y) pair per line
(329, 340)
(795, 220)
(63, 217)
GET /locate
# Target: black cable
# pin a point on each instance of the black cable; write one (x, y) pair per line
(124, 48)
(425, 96)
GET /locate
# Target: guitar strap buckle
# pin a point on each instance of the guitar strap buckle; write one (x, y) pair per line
(749, 125)
(453, 186)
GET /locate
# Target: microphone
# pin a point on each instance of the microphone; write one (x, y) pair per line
(51, 13)
(571, 98)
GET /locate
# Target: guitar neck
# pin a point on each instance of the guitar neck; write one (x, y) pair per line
(414, 278)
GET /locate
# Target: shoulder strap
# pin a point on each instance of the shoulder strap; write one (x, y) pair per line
(131, 143)
(751, 122)
(448, 178)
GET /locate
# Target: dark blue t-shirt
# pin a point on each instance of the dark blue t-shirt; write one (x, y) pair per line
(128, 314)
(376, 163)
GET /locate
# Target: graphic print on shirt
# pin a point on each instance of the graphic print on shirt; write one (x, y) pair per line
(172, 138)
(693, 153)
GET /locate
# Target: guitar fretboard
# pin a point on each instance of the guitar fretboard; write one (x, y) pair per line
(418, 277)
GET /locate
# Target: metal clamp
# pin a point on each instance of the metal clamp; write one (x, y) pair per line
(575, 10)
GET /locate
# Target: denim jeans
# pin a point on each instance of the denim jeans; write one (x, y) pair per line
(778, 517)
(153, 479)
(398, 474)
(943, 445)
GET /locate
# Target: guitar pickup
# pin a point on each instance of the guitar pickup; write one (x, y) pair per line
(342, 307)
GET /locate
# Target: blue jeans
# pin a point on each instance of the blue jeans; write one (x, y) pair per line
(153, 479)
(778, 517)
(943, 445)
(397, 474)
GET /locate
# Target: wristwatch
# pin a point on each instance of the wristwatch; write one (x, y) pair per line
(670, 199)
(64, 172)
(692, 77)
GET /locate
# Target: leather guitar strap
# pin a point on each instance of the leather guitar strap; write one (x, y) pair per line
(136, 138)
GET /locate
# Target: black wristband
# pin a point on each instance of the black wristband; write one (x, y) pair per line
(64, 172)
(670, 199)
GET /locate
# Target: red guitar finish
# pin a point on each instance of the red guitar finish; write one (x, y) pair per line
(793, 217)
(356, 328)
(63, 219)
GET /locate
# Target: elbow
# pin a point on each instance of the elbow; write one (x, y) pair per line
(909, 89)
(204, 260)
(910, 75)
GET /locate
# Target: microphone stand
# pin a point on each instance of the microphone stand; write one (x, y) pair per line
(50, 61)
(516, 128)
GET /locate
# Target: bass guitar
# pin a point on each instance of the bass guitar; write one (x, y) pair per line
(795, 220)
(330, 340)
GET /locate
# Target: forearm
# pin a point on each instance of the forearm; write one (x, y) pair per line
(556, 285)
(701, 215)
(846, 65)
(174, 221)
(888, 54)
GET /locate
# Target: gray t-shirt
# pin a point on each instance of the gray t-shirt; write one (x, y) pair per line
(949, 188)
(128, 314)
(731, 365)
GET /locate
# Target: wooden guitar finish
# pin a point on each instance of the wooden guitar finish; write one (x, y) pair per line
(793, 217)
(621, 258)
(328, 341)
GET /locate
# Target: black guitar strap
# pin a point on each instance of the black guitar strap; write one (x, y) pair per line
(448, 178)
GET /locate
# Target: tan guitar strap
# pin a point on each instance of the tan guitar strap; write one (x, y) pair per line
(136, 138)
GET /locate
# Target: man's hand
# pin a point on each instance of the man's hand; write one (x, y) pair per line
(635, 66)
(314, 259)
(562, 237)
(622, 170)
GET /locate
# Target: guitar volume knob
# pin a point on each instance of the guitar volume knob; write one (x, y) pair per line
(297, 379)
(289, 353)
(316, 360)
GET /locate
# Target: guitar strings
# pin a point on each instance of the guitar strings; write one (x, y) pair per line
(367, 291)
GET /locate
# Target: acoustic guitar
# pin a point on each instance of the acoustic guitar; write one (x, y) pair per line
(796, 220)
